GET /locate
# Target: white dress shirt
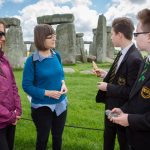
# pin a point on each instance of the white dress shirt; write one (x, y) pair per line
(123, 51)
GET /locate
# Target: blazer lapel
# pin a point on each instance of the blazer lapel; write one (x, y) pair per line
(137, 86)
(126, 56)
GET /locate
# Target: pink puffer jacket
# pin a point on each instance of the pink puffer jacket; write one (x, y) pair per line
(10, 105)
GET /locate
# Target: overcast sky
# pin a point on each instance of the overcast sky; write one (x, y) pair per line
(86, 12)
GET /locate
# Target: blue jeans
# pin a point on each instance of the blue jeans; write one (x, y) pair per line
(46, 120)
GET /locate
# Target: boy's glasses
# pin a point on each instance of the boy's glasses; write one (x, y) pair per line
(51, 36)
(2, 34)
(137, 33)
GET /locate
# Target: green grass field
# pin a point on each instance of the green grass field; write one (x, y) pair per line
(82, 111)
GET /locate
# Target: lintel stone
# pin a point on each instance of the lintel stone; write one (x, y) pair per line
(55, 19)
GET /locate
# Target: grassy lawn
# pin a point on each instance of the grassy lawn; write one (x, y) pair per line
(82, 111)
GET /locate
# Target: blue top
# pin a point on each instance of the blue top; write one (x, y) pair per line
(49, 75)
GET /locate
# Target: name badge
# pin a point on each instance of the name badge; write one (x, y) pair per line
(145, 92)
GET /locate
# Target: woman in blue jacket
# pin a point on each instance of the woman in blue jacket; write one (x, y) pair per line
(43, 80)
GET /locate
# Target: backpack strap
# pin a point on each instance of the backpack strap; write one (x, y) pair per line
(34, 69)
(34, 66)
(58, 56)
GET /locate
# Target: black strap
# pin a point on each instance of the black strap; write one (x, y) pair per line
(34, 66)
(34, 69)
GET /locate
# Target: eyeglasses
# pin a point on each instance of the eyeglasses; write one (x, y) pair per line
(2, 34)
(51, 36)
(137, 33)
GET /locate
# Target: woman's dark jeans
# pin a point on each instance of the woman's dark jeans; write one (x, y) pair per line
(46, 120)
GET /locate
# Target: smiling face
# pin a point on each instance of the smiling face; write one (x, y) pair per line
(2, 37)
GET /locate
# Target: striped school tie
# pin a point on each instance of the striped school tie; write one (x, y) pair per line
(146, 66)
(114, 67)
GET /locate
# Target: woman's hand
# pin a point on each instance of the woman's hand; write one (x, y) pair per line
(64, 89)
(52, 93)
(17, 118)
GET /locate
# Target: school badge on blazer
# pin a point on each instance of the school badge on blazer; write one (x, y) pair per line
(145, 92)
(121, 81)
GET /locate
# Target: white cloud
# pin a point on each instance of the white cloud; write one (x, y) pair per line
(85, 17)
(128, 8)
(17, 1)
(82, 2)
(73, 2)
(83, 23)
(1, 2)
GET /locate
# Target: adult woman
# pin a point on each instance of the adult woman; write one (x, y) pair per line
(10, 106)
(43, 80)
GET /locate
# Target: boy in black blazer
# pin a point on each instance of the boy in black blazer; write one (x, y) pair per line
(135, 114)
(116, 86)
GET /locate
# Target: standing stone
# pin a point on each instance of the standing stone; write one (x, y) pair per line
(110, 47)
(101, 39)
(32, 48)
(92, 49)
(79, 36)
(66, 42)
(80, 47)
(15, 46)
(24, 50)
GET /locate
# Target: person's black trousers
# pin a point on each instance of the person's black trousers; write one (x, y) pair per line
(110, 132)
(46, 120)
(7, 136)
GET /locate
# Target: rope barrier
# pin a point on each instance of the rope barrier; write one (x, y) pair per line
(73, 126)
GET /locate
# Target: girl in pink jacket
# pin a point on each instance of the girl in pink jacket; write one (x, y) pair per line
(10, 106)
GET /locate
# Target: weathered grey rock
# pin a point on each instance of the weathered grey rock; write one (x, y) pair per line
(91, 58)
(80, 47)
(109, 60)
(92, 50)
(78, 36)
(86, 72)
(68, 70)
(101, 39)
(78, 57)
(11, 21)
(94, 31)
(56, 19)
(15, 46)
(110, 47)
(87, 42)
(28, 42)
(24, 50)
(66, 42)
(32, 48)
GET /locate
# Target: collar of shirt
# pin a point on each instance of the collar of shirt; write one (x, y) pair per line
(37, 56)
(148, 58)
(125, 50)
